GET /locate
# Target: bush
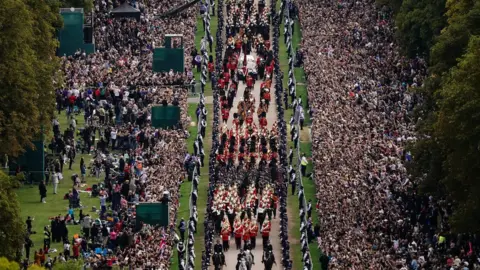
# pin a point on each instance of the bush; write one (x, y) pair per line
(8, 265)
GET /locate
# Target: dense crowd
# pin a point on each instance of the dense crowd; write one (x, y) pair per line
(124, 47)
(359, 90)
(114, 89)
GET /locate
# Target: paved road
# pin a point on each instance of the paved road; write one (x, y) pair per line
(231, 255)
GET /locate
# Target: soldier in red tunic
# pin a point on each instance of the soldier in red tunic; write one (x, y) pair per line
(267, 44)
(226, 77)
(249, 118)
(226, 230)
(246, 233)
(253, 233)
(221, 84)
(238, 231)
(225, 114)
(267, 97)
(263, 121)
(236, 122)
(266, 227)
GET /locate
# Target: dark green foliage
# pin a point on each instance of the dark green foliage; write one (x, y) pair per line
(418, 22)
(27, 67)
(447, 157)
(12, 228)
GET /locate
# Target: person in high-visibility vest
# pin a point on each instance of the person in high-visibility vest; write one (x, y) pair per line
(304, 163)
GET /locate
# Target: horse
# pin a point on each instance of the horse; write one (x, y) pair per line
(218, 260)
(249, 259)
(242, 264)
(268, 259)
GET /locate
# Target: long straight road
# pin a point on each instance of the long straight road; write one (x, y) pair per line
(231, 255)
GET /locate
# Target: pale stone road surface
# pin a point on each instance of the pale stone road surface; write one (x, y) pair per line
(231, 255)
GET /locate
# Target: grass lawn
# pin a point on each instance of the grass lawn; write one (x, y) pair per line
(30, 205)
(292, 202)
(306, 147)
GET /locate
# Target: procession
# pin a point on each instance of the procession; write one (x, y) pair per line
(239, 134)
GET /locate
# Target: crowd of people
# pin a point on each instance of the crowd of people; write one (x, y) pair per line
(114, 89)
(359, 93)
(124, 47)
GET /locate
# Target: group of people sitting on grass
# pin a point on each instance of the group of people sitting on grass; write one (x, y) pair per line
(361, 94)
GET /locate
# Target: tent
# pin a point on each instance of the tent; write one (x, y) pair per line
(125, 10)
(178, 9)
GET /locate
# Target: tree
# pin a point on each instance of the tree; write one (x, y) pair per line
(28, 63)
(418, 22)
(458, 129)
(463, 18)
(447, 155)
(12, 228)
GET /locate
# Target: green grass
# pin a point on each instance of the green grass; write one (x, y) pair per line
(305, 147)
(292, 202)
(30, 205)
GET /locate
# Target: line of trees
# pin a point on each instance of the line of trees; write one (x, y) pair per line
(447, 156)
(27, 67)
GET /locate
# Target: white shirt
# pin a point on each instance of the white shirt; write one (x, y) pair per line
(113, 135)
(103, 201)
(55, 178)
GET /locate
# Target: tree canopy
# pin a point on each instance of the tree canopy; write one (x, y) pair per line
(12, 228)
(28, 64)
(447, 157)
(456, 130)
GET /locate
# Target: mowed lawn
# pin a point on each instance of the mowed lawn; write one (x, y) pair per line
(29, 198)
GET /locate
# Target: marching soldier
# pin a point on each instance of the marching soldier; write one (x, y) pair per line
(238, 231)
(226, 230)
(253, 233)
(246, 233)
(266, 227)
